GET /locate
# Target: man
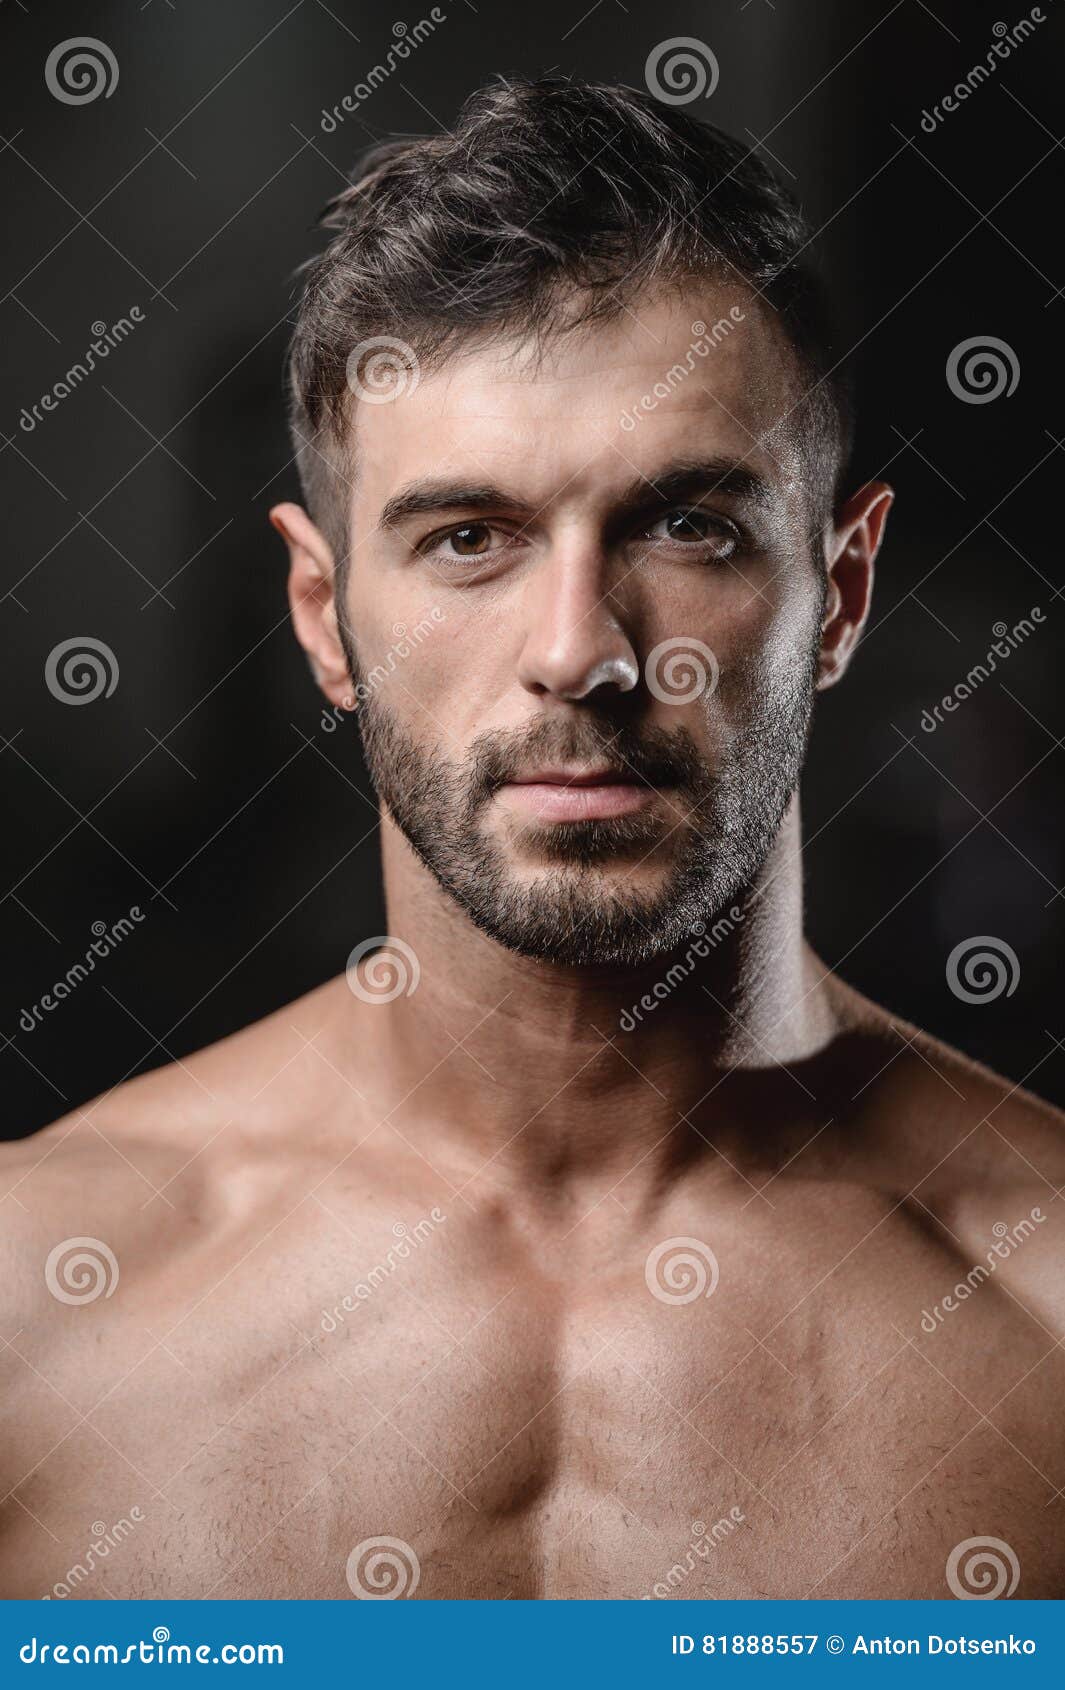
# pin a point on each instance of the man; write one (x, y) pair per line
(585, 1236)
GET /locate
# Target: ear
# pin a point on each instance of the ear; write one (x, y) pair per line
(312, 598)
(852, 542)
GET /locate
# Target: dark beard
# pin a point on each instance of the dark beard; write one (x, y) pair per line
(566, 915)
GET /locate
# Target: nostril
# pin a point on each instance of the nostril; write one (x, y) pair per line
(620, 672)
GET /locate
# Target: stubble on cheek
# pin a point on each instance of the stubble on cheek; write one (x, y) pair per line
(623, 890)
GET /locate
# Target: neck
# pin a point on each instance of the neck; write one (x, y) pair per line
(546, 1069)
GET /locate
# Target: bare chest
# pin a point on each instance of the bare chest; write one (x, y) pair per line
(429, 1443)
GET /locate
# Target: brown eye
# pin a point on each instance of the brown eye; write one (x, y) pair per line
(686, 525)
(472, 540)
(483, 543)
(696, 528)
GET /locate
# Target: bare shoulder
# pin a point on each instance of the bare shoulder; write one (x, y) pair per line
(979, 1155)
(156, 1156)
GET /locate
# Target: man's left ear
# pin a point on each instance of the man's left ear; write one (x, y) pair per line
(852, 542)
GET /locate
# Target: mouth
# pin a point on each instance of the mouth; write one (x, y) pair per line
(576, 794)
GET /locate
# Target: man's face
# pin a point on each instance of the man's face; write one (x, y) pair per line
(585, 605)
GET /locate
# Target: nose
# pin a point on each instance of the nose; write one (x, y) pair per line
(575, 641)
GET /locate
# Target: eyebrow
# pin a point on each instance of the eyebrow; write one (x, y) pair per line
(684, 478)
(421, 498)
(702, 475)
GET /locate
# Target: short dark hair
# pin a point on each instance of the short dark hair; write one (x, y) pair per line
(547, 191)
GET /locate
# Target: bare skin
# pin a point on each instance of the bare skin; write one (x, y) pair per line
(509, 1399)
(386, 1263)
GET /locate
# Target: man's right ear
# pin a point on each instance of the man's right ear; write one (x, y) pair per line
(312, 598)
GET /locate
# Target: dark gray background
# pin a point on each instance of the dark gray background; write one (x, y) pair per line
(203, 790)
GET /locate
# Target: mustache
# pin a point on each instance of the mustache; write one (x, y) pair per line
(651, 755)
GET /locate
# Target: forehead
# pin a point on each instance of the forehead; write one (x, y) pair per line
(702, 370)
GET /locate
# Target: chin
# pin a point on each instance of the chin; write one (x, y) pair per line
(583, 918)
(600, 844)
(605, 889)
